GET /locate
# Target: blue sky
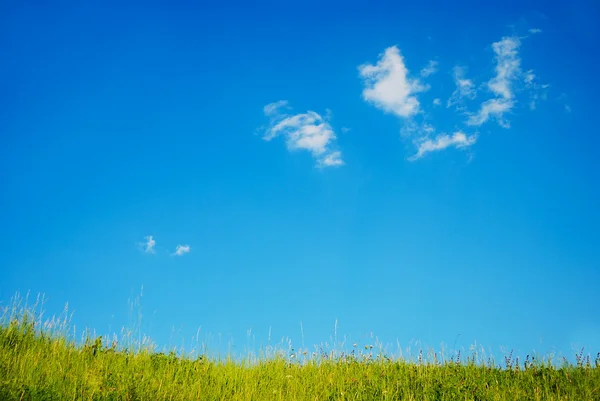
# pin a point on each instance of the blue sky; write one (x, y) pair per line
(422, 171)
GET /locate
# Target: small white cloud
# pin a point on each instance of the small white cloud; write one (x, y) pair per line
(532, 104)
(495, 108)
(465, 89)
(567, 108)
(417, 132)
(508, 66)
(181, 249)
(304, 131)
(508, 69)
(529, 77)
(388, 87)
(333, 159)
(149, 244)
(437, 101)
(458, 140)
(345, 129)
(307, 131)
(535, 30)
(273, 108)
(536, 91)
(430, 69)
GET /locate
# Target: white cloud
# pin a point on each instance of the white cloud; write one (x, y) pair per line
(535, 30)
(437, 101)
(333, 159)
(307, 131)
(492, 108)
(458, 140)
(181, 249)
(431, 68)
(536, 91)
(345, 129)
(149, 244)
(508, 66)
(465, 89)
(529, 77)
(273, 108)
(417, 132)
(567, 108)
(533, 104)
(508, 70)
(304, 131)
(388, 87)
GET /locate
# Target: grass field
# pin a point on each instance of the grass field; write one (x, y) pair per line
(39, 360)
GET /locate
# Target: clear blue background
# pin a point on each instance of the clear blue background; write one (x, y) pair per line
(119, 121)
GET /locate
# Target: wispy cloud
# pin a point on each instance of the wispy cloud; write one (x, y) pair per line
(307, 131)
(333, 159)
(388, 86)
(508, 66)
(495, 108)
(529, 77)
(508, 70)
(458, 140)
(430, 69)
(535, 30)
(437, 101)
(536, 91)
(274, 108)
(465, 88)
(416, 131)
(181, 249)
(149, 244)
(563, 98)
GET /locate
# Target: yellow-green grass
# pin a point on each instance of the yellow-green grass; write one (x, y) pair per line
(39, 360)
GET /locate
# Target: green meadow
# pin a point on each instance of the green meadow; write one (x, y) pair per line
(41, 360)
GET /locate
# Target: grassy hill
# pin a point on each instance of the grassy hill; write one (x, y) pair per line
(39, 362)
